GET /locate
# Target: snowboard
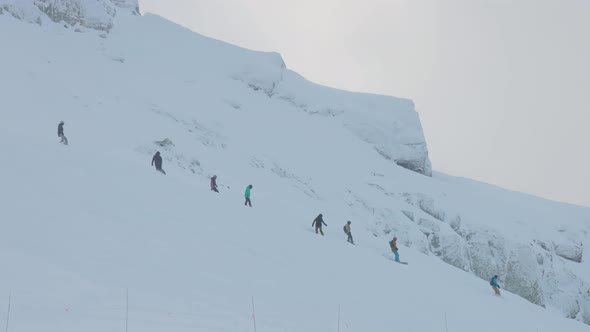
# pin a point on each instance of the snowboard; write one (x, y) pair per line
(392, 259)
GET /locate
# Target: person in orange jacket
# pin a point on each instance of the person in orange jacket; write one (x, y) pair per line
(393, 244)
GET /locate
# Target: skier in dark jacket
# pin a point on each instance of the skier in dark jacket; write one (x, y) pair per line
(318, 221)
(157, 159)
(214, 184)
(60, 133)
(348, 232)
(495, 285)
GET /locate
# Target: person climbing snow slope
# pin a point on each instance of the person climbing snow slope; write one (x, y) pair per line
(348, 232)
(318, 221)
(157, 159)
(214, 184)
(495, 285)
(60, 133)
(247, 196)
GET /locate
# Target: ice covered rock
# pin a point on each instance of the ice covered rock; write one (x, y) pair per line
(133, 5)
(451, 249)
(20, 9)
(390, 125)
(91, 14)
(166, 143)
(262, 75)
(571, 251)
(523, 276)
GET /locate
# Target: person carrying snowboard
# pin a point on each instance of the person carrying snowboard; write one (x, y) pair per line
(60, 133)
(214, 184)
(157, 159)
(393, 244)
(317, 222)
(347, 231)
(247, 196)
(495, 285)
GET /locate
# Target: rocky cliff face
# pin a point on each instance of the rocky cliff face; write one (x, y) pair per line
(540, 266)
(390, 125)
(80, 14)
(133, 5)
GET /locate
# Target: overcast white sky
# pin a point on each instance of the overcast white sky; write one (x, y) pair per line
(502, 87)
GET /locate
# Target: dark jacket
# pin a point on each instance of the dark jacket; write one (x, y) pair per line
(318, 221)
(157, 159)
(60, 129)
(214, 183)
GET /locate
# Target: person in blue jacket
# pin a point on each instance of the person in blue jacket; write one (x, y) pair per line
(495, 285)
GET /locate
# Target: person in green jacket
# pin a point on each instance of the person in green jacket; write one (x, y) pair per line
(247, 196)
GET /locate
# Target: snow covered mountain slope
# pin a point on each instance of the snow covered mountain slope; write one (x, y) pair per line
(82, 223)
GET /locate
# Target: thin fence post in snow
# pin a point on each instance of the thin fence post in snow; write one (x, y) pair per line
(253, 314)
(127, 311)
(446, 323)
(8, 311)
(339, 318)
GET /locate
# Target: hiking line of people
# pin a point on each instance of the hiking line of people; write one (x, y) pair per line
(317, 222)
(157, 162)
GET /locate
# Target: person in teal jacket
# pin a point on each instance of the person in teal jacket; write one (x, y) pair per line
(495, 285)
(247, 196)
